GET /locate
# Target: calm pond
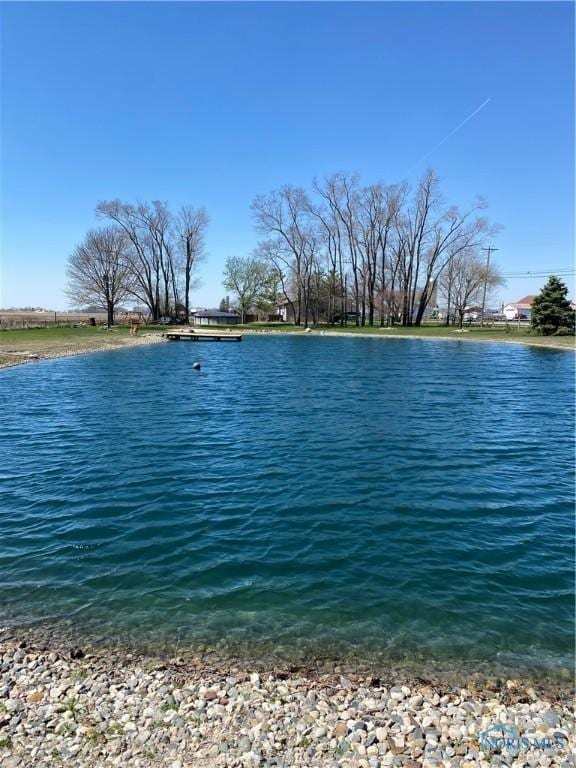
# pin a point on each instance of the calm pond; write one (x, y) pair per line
(352, 497)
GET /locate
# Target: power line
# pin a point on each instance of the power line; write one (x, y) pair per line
(547, 273)
(542, 269)
(564, 268)
(536, 274)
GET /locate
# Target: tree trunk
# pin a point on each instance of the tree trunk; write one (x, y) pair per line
(187, 298)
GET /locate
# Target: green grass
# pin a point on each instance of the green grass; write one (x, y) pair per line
(81, 673)
(474, 332)
(64, 334)
(284, 327)
(115, 729)
(72, 706)
(58, 333)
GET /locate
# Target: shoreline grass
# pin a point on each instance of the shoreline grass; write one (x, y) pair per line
(19, 346)
(468, 333)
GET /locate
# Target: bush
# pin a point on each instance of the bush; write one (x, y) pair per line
(545, 329)
(563, 331)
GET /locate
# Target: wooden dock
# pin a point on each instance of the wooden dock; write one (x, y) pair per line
(194, 335)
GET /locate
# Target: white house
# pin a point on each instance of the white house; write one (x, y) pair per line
(519, 310)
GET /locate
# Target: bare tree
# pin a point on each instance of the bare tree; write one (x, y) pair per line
(99, 271)
(463, 283)
(131, 219)
(341, 194)
(191, 230)
(384, 245)
(388, 256)
(378, 207)
(430, 236)
(331, 244)
(164, 250)
(292, 243)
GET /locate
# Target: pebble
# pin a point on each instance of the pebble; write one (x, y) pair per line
(86, 709)
(397, 694)
(244, 745)
(340, 730)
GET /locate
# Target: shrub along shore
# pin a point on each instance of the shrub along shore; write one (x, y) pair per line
(29, 345)
(72, 706)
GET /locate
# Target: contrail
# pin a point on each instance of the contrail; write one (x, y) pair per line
(448, 135)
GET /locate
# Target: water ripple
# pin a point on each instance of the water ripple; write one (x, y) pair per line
(349, 495)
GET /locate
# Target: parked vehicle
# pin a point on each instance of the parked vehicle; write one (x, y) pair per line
(348, 316)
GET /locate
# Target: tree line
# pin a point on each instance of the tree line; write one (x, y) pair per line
(385, 250)
(377, 253)
(144, 251)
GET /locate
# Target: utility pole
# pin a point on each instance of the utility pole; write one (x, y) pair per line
(488, 254)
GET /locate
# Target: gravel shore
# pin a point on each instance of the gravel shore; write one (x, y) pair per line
(51, 350)
(103, 708)
(14, 353)
(565, 343)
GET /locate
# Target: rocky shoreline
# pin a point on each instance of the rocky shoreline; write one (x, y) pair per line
(104, 707)
(388, 333)
(11, 358)
(59, 349)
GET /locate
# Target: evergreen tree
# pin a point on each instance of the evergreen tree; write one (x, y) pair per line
(551, 309)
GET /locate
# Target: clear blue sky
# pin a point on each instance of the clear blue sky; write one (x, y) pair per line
(211, 104)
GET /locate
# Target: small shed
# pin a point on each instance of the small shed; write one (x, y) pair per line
(215, 317)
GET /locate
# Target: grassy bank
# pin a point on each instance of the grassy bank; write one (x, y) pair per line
(24, 345)
(471, 333)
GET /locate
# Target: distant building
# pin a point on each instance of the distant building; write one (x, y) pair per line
(215, 317)
(519, 310)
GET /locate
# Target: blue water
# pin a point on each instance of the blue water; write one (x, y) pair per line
(357, 497)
